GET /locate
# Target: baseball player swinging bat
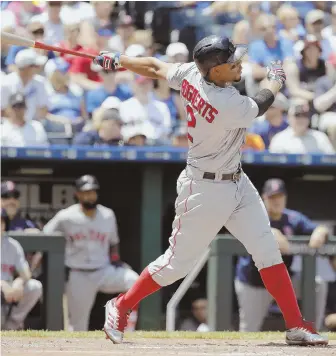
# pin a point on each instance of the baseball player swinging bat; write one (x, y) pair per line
(27, 42)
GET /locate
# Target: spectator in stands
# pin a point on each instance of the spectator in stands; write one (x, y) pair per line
(53, 26)
(298, 137)
(135, 136)
(315, 23)
(107, 134)
(125, 32)
(24, 11)
(109, 87)
(35, 30)
(246, 31)
(269, 48)
(20, 294)
(65, 98)
(177, 53)
(291, 29)
(165, 94)
(110, 103)
(303, 73)
(274, 121)
(32, 85)
(143, 109)
(16, 131)
(71, 41)
(329, 32)
(82, 71)
(253, 142)
(198, 319)
(325, 100)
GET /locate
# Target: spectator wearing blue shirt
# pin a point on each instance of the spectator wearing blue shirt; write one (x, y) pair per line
(269, 48)
(66, 99)
(290, 26)
(109, 87)
(36, 31)
(253, 299)
(275, 120)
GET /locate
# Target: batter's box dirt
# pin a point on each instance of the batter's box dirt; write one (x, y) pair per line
(267, 345)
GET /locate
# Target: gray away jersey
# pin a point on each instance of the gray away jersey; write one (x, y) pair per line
(87, 240)
(12, 258)
(217, 119)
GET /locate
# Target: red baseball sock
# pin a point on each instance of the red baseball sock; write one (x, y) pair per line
(143, 287)
(278, 283)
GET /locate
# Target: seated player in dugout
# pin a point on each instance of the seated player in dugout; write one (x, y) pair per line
(253, 299)
(10, 201)
(18, 295)
(92, 258)
(212, 189)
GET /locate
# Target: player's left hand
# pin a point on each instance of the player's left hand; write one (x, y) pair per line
(108, 60)
(17, 293)
(316, 242)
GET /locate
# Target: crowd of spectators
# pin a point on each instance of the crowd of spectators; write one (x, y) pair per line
(48, 98)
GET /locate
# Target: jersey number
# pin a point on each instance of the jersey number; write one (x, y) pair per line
(191, 121)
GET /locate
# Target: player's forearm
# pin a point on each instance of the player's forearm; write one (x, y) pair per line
(319, 237)
(147, 66)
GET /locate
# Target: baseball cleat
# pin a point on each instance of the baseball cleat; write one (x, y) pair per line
(115, 322)
(305, 335)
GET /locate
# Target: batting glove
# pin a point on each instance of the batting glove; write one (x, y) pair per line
(276, 72)
(108, 60)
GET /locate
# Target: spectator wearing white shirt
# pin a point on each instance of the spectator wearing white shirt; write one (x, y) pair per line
(16, 131)
(53, 26)
(144, 110)
(298, 138)
(26, 81)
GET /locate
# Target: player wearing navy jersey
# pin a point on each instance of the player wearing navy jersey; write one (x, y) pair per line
(253, 299)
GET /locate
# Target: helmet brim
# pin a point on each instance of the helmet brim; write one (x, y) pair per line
(88, 186)
(238, 54)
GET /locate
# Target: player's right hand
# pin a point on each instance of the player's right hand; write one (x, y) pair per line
(108, 60)
(276, 72)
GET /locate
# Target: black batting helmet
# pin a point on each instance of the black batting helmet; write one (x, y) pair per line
(5, 218)
(87, 182)
(214, 50)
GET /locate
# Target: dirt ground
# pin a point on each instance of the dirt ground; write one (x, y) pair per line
(148, 347)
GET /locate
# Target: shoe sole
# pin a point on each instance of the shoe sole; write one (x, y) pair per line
(307, 343)
(108, 337)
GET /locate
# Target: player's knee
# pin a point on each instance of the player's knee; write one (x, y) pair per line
(35, 289)
(170, 274)
(131, 278)
(266, 253)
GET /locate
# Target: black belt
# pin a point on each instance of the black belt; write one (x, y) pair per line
(230, 176)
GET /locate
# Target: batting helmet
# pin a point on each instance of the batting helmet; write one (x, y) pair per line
(5, 218)
(213, 50)
(86, 183)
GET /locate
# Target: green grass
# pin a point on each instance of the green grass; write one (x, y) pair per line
(229, 335)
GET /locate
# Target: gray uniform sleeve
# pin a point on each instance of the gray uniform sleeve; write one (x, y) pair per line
(239, 110)
(177, 73)
(20, 261)
(113, 233)
(55, 224)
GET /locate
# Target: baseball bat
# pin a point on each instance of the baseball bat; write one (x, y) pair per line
(26, 42)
